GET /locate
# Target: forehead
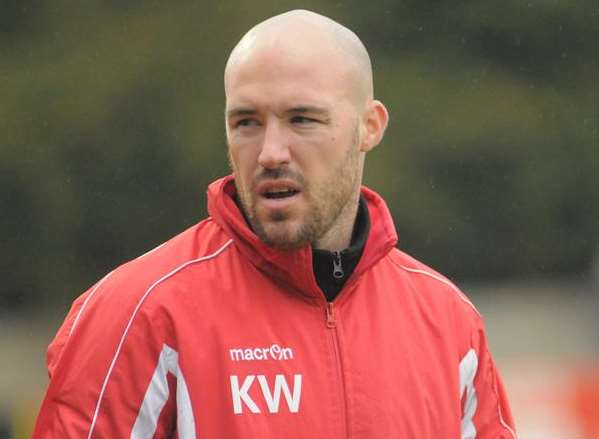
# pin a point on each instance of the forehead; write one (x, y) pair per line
(278, 71)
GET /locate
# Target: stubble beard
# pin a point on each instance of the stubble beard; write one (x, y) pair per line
(325, 203)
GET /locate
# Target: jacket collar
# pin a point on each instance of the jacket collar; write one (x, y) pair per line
(294, 267)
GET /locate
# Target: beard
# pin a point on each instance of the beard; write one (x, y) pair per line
(324, 203)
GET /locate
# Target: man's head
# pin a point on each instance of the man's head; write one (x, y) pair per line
(300, 116)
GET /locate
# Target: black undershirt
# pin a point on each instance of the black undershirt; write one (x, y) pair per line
(332, 269)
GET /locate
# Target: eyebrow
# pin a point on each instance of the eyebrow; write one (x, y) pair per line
(308, 109)
(301, 109)
(241, 111)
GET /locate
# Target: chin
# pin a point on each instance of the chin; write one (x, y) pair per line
(284, 236)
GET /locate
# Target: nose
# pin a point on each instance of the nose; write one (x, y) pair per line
(275, 147)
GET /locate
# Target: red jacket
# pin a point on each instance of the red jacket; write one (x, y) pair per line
(215, 335)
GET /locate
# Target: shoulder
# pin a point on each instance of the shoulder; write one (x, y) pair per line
(434, 298)
(109, 307)
(121, 290)
(429, 284)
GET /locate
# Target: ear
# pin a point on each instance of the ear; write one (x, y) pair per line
(374, 124)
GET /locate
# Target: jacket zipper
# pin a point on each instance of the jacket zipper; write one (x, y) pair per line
(331, 321)
(337, 266)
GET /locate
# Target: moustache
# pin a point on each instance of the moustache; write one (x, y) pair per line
(279, 173)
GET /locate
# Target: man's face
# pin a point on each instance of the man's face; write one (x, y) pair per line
(293, 136)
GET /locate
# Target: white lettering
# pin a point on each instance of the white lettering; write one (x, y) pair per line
(273, 352)
(236, 354)
(273, 398)
(241, 394)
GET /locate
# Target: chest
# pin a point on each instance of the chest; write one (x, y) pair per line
(265, 363)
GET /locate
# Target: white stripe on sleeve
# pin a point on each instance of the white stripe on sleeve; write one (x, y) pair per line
(468, 368)
(157, 395)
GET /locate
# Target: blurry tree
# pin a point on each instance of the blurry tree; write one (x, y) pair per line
(111, 126)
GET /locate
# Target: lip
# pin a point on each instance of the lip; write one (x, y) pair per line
(277, 203)
(270, 185)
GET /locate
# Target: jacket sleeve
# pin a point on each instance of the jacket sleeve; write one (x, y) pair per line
(101, 364)
(486, 412)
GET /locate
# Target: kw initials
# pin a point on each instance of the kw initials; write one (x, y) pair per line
(272, 398)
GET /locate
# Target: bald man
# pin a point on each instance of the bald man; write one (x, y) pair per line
(288, 313)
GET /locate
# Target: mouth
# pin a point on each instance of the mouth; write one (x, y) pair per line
(278, 190)
(279, 193)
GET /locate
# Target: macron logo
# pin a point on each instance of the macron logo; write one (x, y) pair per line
(273, 352)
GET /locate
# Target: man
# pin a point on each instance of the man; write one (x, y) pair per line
(287, 313)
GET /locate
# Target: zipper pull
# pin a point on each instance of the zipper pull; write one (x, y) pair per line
(337, 266)
(331, 322)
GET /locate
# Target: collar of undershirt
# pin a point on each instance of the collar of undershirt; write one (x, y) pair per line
(324, 261)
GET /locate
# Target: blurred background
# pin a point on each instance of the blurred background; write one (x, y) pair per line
(111, 127)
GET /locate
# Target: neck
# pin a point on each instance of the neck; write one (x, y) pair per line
(338, 237)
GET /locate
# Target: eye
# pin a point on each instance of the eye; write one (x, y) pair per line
(245, 123)
(300, 120)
